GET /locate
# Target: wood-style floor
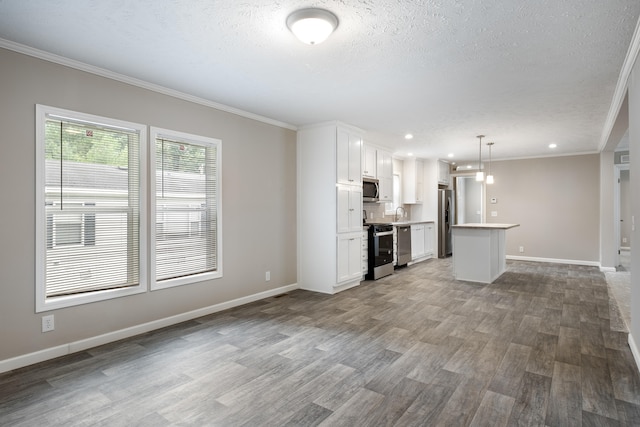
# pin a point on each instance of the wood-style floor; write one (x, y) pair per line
(414, 349)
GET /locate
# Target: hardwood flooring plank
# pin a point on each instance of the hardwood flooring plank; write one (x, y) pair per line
(355, 411)
(310, 415)
(570, 315)
(426, 407)
(624, 375)
(597, 389)
(543, 355)
(530, 406)
(461, 406)
(569, 346)
(508, 376)
(591, 340)
(628, 413)
(590, 419)
(565, 398)
(494, 410)
(527, 331)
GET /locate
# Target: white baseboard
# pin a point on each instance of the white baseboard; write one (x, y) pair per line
(75, 346)
(608, 269)
(634, 351)
(555, 260)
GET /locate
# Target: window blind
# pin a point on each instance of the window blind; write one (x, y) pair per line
(186, 208)
(92, 206)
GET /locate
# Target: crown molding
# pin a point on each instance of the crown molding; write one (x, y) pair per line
(71, 63)
(621, 87)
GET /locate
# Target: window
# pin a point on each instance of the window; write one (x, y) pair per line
(90, 216)
(185, 183)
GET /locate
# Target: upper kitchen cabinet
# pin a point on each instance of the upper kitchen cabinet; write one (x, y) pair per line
(369, 162)
(349, 156)
(413, 181)
(385, 175)
(444, 174)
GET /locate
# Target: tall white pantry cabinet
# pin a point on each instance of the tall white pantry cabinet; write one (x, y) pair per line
(329, 188)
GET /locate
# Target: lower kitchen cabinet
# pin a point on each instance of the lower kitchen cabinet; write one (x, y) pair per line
(429, 237)
(365, 252)
(422, 240)
(417, 241)
(349, 260)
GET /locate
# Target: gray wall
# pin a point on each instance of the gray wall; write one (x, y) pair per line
(556, 202)
(258, 187)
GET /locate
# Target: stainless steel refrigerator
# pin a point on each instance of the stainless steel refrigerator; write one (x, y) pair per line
(446, 218)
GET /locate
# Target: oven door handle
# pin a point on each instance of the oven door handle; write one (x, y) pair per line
(384, 233)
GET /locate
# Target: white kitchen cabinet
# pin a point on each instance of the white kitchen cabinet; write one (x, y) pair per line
(413, 181)
(417, 241)
(444, 174)
(365, 252)
(385, 175)
(369, 162)
(348, 157)
(349, 208)
(349, 257)
(329, 207)
(429, 237)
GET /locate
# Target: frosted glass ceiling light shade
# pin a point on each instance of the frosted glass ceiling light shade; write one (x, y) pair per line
(490, 176)
(312, 26)
(480, 174)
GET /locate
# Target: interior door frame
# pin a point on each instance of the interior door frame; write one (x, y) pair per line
(616, 209)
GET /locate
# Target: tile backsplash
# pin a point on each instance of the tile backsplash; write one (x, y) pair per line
(375, 212)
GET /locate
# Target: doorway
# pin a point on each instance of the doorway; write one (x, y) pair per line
(469, 200)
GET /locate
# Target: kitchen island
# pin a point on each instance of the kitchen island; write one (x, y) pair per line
(479, 253)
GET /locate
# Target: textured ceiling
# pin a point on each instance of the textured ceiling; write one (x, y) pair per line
(524, 73)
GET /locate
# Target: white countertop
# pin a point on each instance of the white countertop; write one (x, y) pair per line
(486, 226)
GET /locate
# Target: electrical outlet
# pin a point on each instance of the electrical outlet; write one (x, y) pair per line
(267, 276)
(48, 323)
(521, 249)
(494, 213)
(624, 240)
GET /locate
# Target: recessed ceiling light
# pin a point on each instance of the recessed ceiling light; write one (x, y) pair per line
(468, 166)
(553, 145)
(409, 154)
(408, 136)
(450, 155)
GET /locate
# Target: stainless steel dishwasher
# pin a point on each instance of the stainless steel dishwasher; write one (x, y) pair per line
(404, 244)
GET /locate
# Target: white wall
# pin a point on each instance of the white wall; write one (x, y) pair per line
(634, 172)
(258, 187)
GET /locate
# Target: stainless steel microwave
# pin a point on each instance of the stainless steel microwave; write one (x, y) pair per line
(370, 190)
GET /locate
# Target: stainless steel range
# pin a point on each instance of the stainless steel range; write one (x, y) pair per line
(380, 251)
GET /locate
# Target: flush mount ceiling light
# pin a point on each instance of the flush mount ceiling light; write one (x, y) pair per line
(480, 174)
(312, 26)
(408, 136)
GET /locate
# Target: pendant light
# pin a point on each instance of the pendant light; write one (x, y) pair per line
(312, 26)
(490, 176)
(480, 174)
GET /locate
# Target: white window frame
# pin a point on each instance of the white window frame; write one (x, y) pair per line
(155, 133)
(42, 302)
